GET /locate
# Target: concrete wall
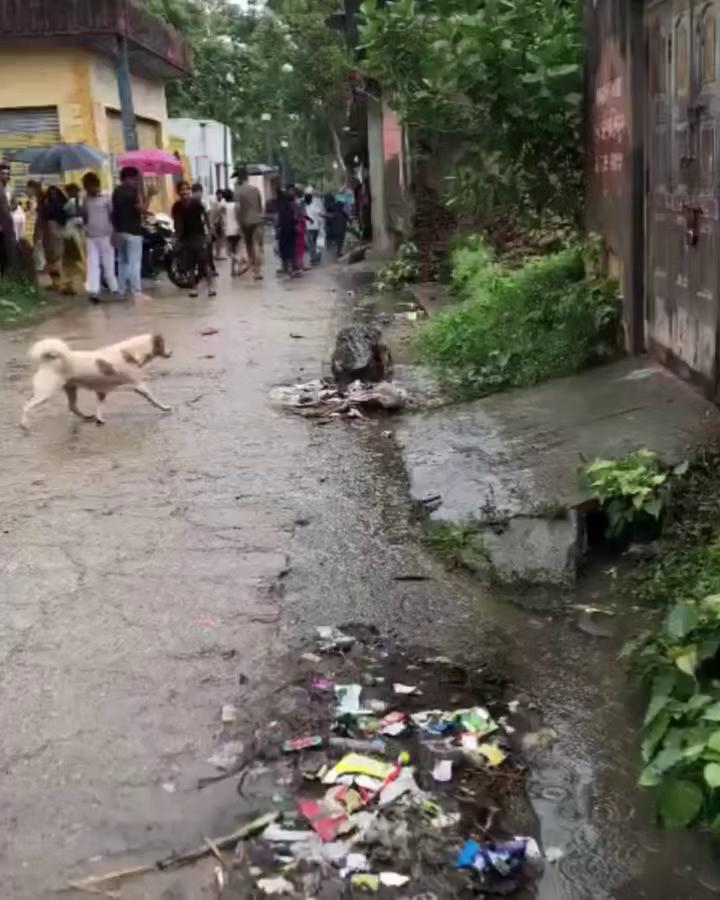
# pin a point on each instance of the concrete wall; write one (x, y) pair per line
(208, 146)
(148, 100)
(615, 145)
(51, 76)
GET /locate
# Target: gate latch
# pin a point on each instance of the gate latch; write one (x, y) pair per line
(692, 224)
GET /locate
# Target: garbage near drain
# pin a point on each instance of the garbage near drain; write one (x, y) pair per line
(355, 764)
(502, 858)
(373, 788)
(298, 744)
(331, 639)
(322, 399)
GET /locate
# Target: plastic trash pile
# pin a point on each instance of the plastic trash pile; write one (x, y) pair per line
(388, 792)
(324, 399)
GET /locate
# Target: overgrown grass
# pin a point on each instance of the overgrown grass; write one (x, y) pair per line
(519, 326)
(20, 301)
(456, 546)
(678, 657)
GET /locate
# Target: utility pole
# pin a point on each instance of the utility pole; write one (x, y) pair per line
(124, 86)
(348, 23)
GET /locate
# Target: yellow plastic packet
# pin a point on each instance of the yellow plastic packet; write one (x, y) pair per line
(492, 753)
(355, 764)
(366, 881)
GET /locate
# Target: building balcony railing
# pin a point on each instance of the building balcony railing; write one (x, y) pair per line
(152, 44)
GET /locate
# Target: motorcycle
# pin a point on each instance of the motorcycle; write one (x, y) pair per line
(160, 255)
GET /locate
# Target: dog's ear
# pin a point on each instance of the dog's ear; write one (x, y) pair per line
(158, 345)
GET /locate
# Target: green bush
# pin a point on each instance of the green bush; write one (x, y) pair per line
(401, 270)
(520, 326)
(678, 657)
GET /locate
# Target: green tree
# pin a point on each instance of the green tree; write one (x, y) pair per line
(504, 78)
(276, 76)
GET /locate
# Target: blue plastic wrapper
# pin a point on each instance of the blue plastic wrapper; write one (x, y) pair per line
(503, 858)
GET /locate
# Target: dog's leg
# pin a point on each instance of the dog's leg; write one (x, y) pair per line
(72, 393)
(45, 385)
(100, 409)
(145, 392)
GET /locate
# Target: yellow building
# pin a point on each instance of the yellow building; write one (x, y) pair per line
(60, 61)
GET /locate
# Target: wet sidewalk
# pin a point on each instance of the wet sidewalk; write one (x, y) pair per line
(519, 451)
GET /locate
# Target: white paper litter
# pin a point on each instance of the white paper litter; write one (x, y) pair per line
(405, 688)
(355, 862)
(229, 713)
(277, 885)
(393, 879)
(403, 784)
(443, 770)
(348, 699)
(285, 835)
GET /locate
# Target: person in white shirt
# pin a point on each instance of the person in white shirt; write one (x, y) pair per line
(233, 235)
(19, 219)
(315, 220)
(97, 216)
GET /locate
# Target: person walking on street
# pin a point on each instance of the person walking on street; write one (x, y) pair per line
(233, 237)
(73, 261)
(249, 204)
(191, 230)
(198, 193)
(287, 230)
(336, 221)
(8, 244)
(314, 214)
(127, 220)
(19, 219)
(97, 216)
(300, 235)
(40, 229)
(55, 219)
(217, 217)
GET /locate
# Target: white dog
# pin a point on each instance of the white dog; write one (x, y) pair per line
(59, 367)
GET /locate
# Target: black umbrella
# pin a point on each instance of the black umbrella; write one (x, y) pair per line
(61, 158)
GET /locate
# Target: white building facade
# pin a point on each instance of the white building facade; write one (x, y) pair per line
(208, 148)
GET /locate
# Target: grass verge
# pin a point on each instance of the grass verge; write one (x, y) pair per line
(20, 301)
(519, 326)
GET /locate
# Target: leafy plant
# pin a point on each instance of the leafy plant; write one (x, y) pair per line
(401, 270)
(504, 78)
(519, 326)
(678, 657)
(629, 488)
(681, 730)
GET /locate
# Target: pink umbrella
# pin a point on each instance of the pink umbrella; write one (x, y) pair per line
(151, 162)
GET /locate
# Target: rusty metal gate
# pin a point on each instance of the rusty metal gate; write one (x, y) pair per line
(683, 269)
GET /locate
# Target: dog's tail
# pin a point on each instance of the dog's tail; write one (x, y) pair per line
(50, 350)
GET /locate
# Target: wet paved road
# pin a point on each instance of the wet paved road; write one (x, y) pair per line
(139, 568)
(134, 560)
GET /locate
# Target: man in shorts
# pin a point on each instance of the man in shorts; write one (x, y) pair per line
(249, 205)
